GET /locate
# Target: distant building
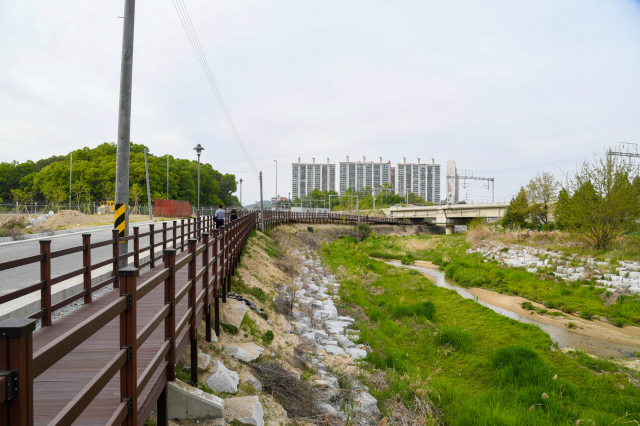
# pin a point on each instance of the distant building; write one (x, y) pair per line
(359, 175)
(277, 203)
(417, 178)
(305, 177)
(452, 182)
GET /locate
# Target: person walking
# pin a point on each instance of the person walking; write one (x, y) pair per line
(219, 217)
(234, 215)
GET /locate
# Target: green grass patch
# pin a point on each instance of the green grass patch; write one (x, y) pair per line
(267, 337)
(455, 337)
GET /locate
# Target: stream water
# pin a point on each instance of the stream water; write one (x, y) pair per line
(560, 335)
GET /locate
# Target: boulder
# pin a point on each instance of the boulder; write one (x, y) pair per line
(187, 403)
(334, 350)
(366, 404)
(203, 362)
(245, 352)
(356, 353)
(223, 379)
(233, 313)
(245, 410)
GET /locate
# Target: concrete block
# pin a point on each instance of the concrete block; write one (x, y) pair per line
(246, 410)
(189, 403)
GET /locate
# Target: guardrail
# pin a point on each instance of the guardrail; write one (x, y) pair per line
(219, 250)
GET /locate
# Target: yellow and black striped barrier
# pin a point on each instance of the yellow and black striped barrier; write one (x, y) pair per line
(120, 220)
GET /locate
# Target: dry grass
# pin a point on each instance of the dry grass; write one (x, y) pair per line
(510, 237)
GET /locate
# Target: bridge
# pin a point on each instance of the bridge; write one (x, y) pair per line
(110, 360)
(448, 215)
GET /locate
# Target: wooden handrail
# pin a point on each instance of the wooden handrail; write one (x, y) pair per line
(151, 326)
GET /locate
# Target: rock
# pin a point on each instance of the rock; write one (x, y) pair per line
(257, 384)
(203, 362)
(233, 313)
(356, 353)
(366, 404)
(325, 408)
(321, 334)
(309, 337)
(186, 402)
(223, 379)
(246, 352)
(245, 410)
(334, 350)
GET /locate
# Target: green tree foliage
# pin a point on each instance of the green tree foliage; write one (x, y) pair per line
(542, 192)
(601, 203)
(517, 212)
(94, 173)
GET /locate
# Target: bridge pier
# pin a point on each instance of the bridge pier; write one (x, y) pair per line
(450, 229)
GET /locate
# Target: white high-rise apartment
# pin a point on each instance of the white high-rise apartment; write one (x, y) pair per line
(420, 179)
(452, 183)
(305, 177)
(359, 175)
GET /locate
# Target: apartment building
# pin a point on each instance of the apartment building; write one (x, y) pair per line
(305, 177)
(418, 178)
(360, 174)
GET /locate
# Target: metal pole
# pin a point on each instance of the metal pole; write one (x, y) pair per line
(121, 222)
(240, 192)
(167, 176)
(493, 190)
(146, 169)
(70, 170)
(261, 206)
(198, 181)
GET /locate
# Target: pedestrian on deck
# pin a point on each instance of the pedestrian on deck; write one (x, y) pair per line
(234, 215)
(219, 217)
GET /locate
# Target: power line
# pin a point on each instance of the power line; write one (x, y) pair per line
(185, 19)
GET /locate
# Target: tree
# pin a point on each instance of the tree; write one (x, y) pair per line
(542, 192)
(559, 209)
(602, 202)
(517, 212)
(134, 194)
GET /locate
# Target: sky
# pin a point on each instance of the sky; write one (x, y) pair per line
(505, 88)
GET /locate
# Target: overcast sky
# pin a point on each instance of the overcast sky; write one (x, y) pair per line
(505, 88)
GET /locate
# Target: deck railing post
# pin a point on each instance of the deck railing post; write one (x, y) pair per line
(214, 274)
(164, 236)
(170, 320)
(175, 238)
(227, 243)
(45, 278)
(128, 372)
(86, 263)
(115, 254)
(223, 259)
(188, 229)
(152, 248)
(136, 246)
(194, 309)
(163, 407)
(16, 355)
(182, 235)
(205, 285)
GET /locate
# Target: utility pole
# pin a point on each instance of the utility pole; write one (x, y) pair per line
(146, 170)
(199, 150)
(70, 170)
(240, 192)
(121, 216)
(261, 206)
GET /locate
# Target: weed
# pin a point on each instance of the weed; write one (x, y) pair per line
(424, 309)
(586, 315)
(618, 322)
(572, 324)
(520, 366)
(267, 337)
(527, 305)
(258, 293)
(456, 337)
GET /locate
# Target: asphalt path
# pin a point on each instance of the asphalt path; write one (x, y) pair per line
(24, 276)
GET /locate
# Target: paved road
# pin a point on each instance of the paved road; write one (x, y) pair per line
(17, 278)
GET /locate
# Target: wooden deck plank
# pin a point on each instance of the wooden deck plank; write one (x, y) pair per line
(64, 380)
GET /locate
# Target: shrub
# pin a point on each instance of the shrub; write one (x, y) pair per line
(618, 322)
(586, 315)
(267, 337)
(550, 304)
(567, 309)
(457, 337)
(520, 366)
(364, 230)
(572, 325)
(527, 305)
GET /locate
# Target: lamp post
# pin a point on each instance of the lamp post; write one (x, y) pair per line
(276, 178)
(199, 150)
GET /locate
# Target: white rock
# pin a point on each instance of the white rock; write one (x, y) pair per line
(246, 352)
(334, 350)
(223, 379)
(357, 353)
(246, 410)
(366, 404)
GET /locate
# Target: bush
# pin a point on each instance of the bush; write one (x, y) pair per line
(572, 325)
(364, 230)
(457, 337)
(520, 366)
(267, 337)
(586, 315)
(568, 309)
(422, 309)
(527, 305)
(550, 304)
(618, 322)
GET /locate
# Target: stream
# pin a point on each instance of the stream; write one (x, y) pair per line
(563, 337)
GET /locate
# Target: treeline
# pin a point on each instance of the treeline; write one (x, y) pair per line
(597, 204)
(94, 173)
(349, 200)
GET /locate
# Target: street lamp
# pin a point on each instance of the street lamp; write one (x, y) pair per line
(276, 183)
(199, 150)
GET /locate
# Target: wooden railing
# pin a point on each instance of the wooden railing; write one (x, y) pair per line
(219, 250)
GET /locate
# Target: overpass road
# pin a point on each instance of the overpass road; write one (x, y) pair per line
(17, 278)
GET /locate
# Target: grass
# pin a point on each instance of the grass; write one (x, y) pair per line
(471, 270)
(267, 337)
(490, 369)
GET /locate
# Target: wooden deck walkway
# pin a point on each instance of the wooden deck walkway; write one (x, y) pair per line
(58, 385)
